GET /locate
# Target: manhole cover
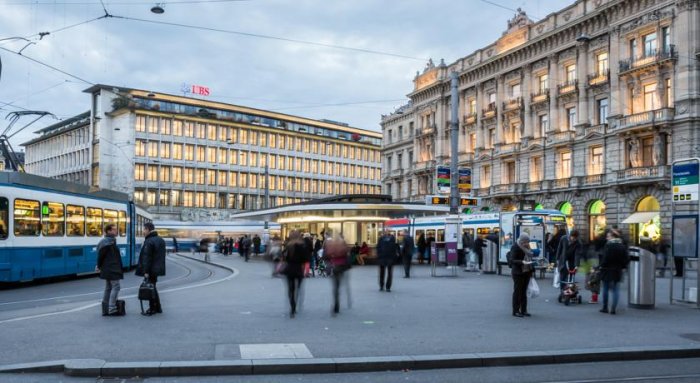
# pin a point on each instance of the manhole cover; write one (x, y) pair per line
(695, 337)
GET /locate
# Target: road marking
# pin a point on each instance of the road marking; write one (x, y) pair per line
(81, 308)
(275, 351)
(634, 379)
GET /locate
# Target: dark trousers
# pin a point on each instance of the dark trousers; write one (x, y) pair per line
(293, 287)
(407, 265)
(246, 254)
(154, 304)
(520, 283)
(337, 280)
(382, 271)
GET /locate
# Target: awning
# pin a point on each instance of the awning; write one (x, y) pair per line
(641, 217)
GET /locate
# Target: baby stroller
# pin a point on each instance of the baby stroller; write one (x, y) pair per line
(569, 292)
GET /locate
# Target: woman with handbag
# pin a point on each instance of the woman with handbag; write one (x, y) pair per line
(298, 253)
(521, 270)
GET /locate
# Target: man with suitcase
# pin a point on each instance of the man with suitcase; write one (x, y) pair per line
(109, 265)
(152, 264)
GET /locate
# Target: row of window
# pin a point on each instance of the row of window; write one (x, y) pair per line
(186, 175)
(57, 144)
(231, 135)
(186, 198)
(52, 219)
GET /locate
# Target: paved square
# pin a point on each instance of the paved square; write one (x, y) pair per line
(275, 351)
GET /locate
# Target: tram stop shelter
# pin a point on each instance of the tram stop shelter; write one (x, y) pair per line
(358, 217)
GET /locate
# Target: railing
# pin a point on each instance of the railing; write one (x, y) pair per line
(503, 189)
(643, 119)
(643, 173)
(593, 179)
(567, 87)
(509, 148)
(599, 78)
(562, 183)
(534, 186)
(490, 111)
(595, 129)
(423, 165)
(470, 118)
(466, 157)
(484, 192)
(541, 96)
(649, 58)
(560, 137)
(513, 104)
(396, 172)
(481, 151)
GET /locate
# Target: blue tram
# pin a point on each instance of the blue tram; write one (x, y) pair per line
(51, 228)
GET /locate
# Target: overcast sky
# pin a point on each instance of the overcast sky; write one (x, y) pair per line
(299, 79)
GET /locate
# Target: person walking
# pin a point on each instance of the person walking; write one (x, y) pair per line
(421, 247)
(568, 251)
(336, 251)
(298, 254)
(152, 264)
(387, 251)
(109, 265)
(175, 248)
(521, 271)
(256, 245)
(246, 247)
(615, 259)
(407, 249)
(478, 248)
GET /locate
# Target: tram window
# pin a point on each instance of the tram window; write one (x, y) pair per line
(418, 234)
(4, 220)
(52, 219)
(94, 222)
(441, 235)
(122, 223)
(110, 217)
(430, 234)
(75, 220)
(27, 218)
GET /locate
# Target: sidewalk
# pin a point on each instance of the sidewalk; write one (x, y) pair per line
(424, 322)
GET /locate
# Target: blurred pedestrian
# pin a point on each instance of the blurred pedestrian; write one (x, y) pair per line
(297, 255)
(387, 252)
(615, 260)
(109, 265)
(256, 245)
(421, 247)
(521, 271)
(407, 249)
(336, 251)
(362, 253)
(152, 264)
(568, 252)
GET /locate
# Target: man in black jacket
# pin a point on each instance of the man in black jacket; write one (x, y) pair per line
(109, 265)
(152, 263)
(407, 248)
(387, 251)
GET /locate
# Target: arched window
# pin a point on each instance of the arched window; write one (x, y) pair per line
(650, 228)
(597, 221)
(567, 209)
(539, 207)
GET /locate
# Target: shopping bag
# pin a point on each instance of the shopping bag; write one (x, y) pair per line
(555, 280)
(533, 289)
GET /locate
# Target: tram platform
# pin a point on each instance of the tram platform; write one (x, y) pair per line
(422, 323)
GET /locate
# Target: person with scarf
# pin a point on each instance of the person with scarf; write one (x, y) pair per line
(521, 270)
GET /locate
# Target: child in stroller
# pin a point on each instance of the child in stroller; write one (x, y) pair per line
(569, 289)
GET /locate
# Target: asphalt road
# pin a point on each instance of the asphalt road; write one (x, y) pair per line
(211, 317)
(650, 371)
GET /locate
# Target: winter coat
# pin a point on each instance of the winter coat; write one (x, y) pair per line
(567, 256)
(109, 259)
(297, 253)
(387, 250)
(407, 247)
(615, 258)
(517, 257)
(152, 257)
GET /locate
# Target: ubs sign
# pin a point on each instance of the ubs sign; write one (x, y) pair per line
(198, 90)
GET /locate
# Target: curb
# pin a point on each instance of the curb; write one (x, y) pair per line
(219, 265)
(101, 368)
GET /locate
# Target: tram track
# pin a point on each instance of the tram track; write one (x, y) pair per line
(188, 272)
(194, 284)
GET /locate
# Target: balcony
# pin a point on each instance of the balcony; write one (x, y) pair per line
(513, 104)
(480, 152)
(466, 157)
(396, 173)
(532, 142)
(645, 174)
(489, 112)
(534, 186)
(541, 96)
(589, 131)
(559, 138)
(484, 192)
(508, 148)
(599, 78)
(568, 87)
(469, 119)
(424, 165)
(503, 189)
(593, 180)
(647, 60)
(642, 120)
(562, 183)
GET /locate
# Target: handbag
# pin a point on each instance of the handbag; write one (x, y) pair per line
(533, 289)
(147, 291)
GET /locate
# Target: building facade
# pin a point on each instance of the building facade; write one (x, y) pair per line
(583, 111)
(192, 159)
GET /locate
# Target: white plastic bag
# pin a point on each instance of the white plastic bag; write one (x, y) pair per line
(533, 289)
(556, 279)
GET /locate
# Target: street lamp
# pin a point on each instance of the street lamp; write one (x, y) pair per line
(158, 9)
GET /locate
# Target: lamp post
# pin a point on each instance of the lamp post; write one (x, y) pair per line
(453, 222)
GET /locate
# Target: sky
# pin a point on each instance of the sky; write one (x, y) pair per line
(146, 51)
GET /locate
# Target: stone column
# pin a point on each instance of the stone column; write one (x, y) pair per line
(526, 86)
(617, 101)
(582, 60)
(554, 123)
(500, 97)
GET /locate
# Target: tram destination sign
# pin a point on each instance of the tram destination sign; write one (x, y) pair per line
(685, 180)
(442, 200)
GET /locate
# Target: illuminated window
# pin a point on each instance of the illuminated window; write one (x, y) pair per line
(570, 73)
(233, 157)
(121, 224)
(565, 170)
(188, 199)
(243, 136)
(176, 197)
(201, 130)
(211, 177)
(314, 166)
(140, 148)
(211, 199)
(152, 149)
(211, 154)
(163, 197)
(189, 129)
(94, 222)
(75, 221)
(243, 158)
(232, 179)
(650, 97)
(282, 140)
(297, 144)
(253, 159)
(200, 173)
(165, 126)
(307, 145)
(262, 137)
(297, 165)
(165, 150)
(177, 128)
(188, 176)
(164, 174)
(596, 160)
(273, 140)
(252, 180)
(152, 124)
(253, 137)
(280, 162)
(222, 155)
(543, 83)
(314, 147)
(177, 151)
(200, 153)
(140, 123)
(189, 152)
(177, 174)
(273, 182)
(223, 133)
(139, 172)
(152, 172)
(243, 180)
(211, 132)
(52, 217)
(222, 178)
(601, 63)
(200, 199)
(322, 146)
(234, 135)
(110, 217)
(273, 161)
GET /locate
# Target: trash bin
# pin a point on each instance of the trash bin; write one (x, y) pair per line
(642, 283)
(490, 260)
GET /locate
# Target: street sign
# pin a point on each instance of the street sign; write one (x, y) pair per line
(443, 179)
(465, 180)
(440, 200)
(685, 182)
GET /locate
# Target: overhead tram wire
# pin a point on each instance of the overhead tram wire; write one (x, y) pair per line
(247, 34)
(126, 2)
(48, 66)
(506, 8)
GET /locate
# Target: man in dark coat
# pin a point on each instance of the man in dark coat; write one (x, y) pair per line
(407, 248)
(246, 244)
(422, 245)
(256, 245)
(478, 248)
(387, 251)
(152, 263)
(615, 259)
(109, 265)
(568, 252)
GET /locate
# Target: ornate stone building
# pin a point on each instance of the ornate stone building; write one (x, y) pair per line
(583, 111)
